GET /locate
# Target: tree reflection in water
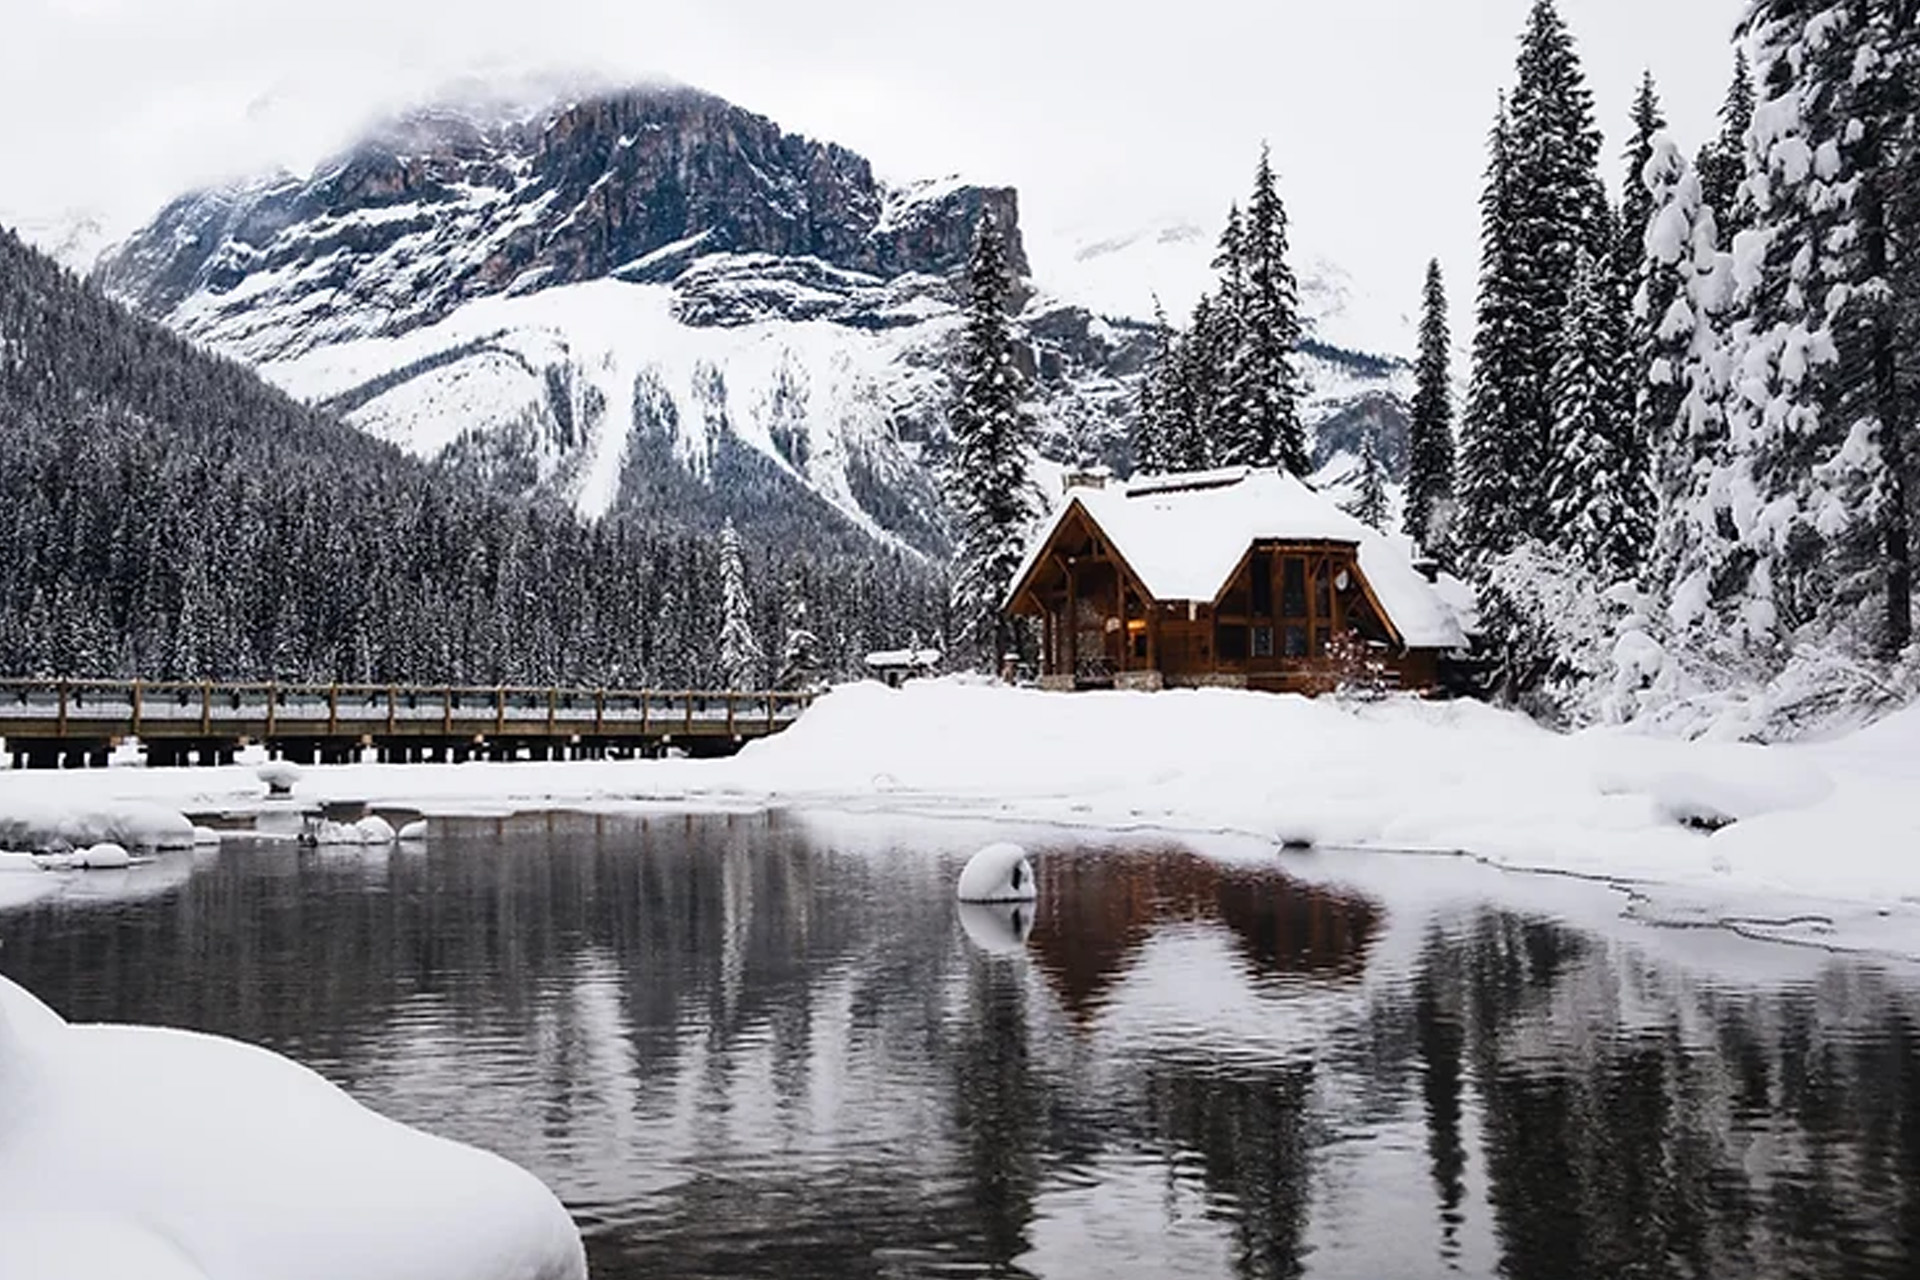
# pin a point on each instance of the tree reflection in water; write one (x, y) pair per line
(756, 1046)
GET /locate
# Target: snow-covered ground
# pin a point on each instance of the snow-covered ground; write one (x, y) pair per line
(138, 1152)
(1813, 841)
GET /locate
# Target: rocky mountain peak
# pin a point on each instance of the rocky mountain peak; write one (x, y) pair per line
(445, 205)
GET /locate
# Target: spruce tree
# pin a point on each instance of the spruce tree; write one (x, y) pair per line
(987, 471)
(1369, 504)
(1499, 449)
(1430, 443)
(1636, 205)
(1154, 416)
(1592, 504)
(1722, 164)
(741, 659)
(1697, 564)
(1818, 423)
(1262, 426)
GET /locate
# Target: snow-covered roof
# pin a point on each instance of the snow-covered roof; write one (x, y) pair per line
(1184, 535)
(889, 658)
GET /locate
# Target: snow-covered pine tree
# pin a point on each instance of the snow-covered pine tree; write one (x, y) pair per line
(1262, 411)
(1815, 423)
(1698, 566)
(1723, 160)
(986, 476)
(1558, 212)
(1592, 503)
(1191, 445)
(800, 661)
(1369, 504)
(1636, 205)
(1430, 444)
(1499, 447)
(1153, 414)
(741, 660)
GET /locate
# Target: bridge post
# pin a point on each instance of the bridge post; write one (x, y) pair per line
(206, 707)
(62, 690)
(393, 700)
(333, 710)
(136, 708)
(273, 707)
(499, 710)
(599, 712)
(733, 705)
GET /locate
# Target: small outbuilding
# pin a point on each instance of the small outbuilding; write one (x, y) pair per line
(897, 666)
(1246, 578)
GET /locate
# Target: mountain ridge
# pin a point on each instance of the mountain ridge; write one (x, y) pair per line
(649, 273)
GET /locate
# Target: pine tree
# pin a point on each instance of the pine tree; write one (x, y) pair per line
(1154, 417)
(1697, 561)
(1499, 448)
(1591, 482)
(987, 472)
(1816, 425)
(1262, 416)
(1723, 161)
(1370, 502)
(1636, 204)
(741, 659)
(1430, 445)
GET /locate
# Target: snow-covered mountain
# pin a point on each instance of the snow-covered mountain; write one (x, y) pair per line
(625, 297)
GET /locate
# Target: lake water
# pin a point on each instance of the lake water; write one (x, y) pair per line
(773, 1046)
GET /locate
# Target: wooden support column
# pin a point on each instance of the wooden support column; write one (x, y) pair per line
(1073, 625)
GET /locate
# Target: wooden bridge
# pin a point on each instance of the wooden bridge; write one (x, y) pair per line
(73, 724)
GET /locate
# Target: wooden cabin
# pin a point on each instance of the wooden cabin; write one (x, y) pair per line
(1241, 578)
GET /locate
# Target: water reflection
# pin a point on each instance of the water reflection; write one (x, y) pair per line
(748, 1046)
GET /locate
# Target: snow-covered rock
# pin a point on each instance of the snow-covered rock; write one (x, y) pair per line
(206, 838)
(163, 1155)
(105, 856)
(414, 832)
(998, 873)
(281, 776)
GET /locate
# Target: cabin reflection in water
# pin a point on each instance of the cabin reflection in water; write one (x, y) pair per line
(1095, 914)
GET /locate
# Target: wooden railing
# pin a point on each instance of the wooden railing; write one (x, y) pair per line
(143, 709)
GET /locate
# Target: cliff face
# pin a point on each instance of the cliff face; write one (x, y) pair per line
(443, 207)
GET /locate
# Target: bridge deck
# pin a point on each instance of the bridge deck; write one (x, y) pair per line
(46, 723)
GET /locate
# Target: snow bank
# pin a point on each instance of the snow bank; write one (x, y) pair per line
(129, 1151)
(1398, 774)
(34, 823)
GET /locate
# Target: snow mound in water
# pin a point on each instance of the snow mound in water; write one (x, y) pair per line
(998, 873)
(203, 1158)
(136, 824)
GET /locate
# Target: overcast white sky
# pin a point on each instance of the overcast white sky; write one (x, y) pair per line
(1105, 115)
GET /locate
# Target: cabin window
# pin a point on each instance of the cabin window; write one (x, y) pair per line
(1323, 590)
(1232, 644)
(1296, 639)
(1140, 645)
(1262, 585)
(1293, 588)
(1263, 642)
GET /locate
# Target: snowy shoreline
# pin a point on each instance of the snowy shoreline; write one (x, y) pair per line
(1825, 823)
